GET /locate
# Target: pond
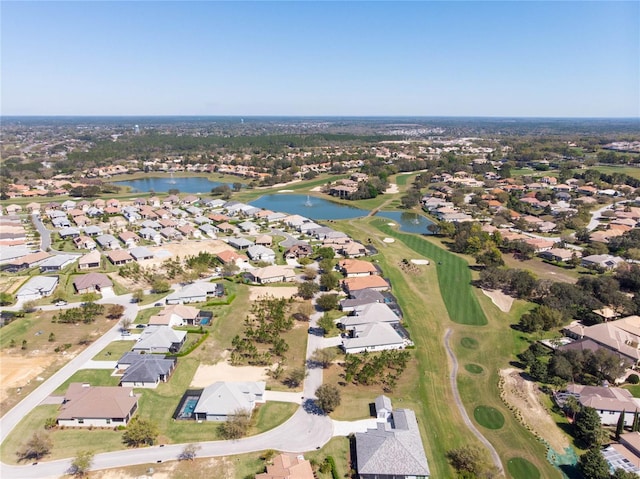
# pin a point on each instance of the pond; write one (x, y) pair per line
(193, 184)
(321, 209)
(308, 206)
(409, 222)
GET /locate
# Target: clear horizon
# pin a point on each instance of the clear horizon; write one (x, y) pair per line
(321, 59)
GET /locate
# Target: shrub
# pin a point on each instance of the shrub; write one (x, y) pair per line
(633, 379)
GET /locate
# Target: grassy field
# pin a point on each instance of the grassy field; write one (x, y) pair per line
(454, 276)
(488, 417)
(625, 170)
(95, 377)
(427, 317)
(113, 351)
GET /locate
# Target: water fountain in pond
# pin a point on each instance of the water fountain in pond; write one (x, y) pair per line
(171, 180)
(308, 202)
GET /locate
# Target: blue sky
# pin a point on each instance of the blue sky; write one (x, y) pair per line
(558, 59)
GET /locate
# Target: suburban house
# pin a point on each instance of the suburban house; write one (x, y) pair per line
(175, 315)
(609, 402)
(119, 257)
(28, 261)
(108, 242)
(90, 260)
(84, 242)
(621, 336)
(561, 255)
(353, 268)
(221, 399)
(297, 251)
(369, 313)
(37, 287)
(605, 261)
(57, 262)
(271, 274)
(378, 336)
(160, 339)
(375, 282)
(625, 454)
(288, 466)
(361, 298)
(97, 406)
(239, 243)
(140, 253)
(144, 370)
(393, 450)
(230, 256)
(195, 293)
(264, 240)
(261, 253)
(91, 283)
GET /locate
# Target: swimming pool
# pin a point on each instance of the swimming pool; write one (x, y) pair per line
(188, 408)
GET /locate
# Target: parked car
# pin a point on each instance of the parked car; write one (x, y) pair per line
(61, 303)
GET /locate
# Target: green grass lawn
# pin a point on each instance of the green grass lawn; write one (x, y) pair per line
(427, 318)
(271, 414)
(95, 377)
(114, 351)
(454, 276)
(474, 368)
(520, 468)
(488, 417)
(145, 314)
(626, 170)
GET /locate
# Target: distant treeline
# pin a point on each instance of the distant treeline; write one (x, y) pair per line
(154, 144)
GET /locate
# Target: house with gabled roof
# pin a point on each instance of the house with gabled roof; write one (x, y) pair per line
(90, 260)
(119, 257)
(220, 400)
(288, 466)
(97, 406)
(392, 450)
(373, 281)
(352, 268)
(91, 283)
(144, 370)
(160, 339)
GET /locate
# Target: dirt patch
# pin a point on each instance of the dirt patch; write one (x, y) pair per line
(210, 467)
(501, 300)
(10, 284)
(276, 291)
(317, 188)
(18, 371)
(523, 398)
(184, 249)
(207, 374)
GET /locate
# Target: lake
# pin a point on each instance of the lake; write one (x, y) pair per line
(192, 184)
(321, 209)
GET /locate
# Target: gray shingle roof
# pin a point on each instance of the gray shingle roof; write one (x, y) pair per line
(392, 451)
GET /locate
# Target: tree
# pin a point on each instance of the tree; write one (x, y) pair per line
(307, 289)
(237, 425)
(587, 427)
(81, 464)
(329, 281)
(324, 356)
(328, 397)
(138, 295)
(160, 285)
(325, 252)
(296, 377)
(593, 465)
(5, 299)
(326, 323)
(189, 452)
(29, 306)
(467, 459)
(125, 323)
(309, 273)
(140, 432)
(620, 425)
(36, 447)
(327, 302)
(622, 474)
(115, 311)
(229, 269)
(491, 256)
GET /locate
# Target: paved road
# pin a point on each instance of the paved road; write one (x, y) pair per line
(45, 234)
(456, 396)
(306, 430)
(303, 432)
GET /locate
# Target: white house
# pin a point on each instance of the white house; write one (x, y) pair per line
(261, 253)
(37, 287)
(609, 402)
(221, 399)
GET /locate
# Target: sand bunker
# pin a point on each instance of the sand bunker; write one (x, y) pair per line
(317, 188)
(501, 300)
(420, 261)
(389, 240)
(223, 371)
(393, 188)
(285, 191)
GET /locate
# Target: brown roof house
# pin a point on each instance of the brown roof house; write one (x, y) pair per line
(609, 402)
(97, 406)
(353, 268)
(288, 466)
(90, 260)
(373, 281)
(91, 283)
(119, 256)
